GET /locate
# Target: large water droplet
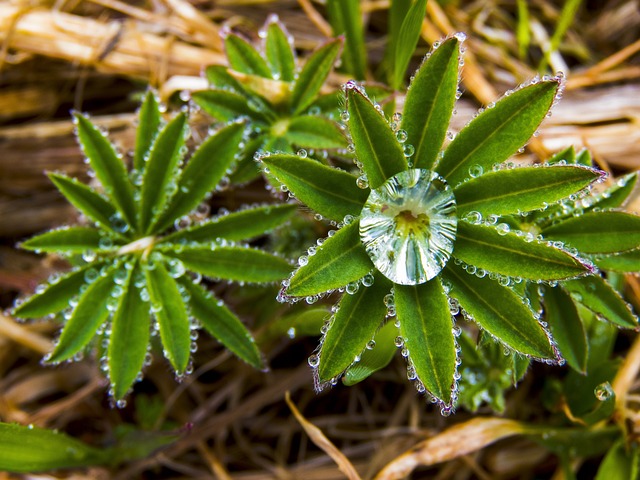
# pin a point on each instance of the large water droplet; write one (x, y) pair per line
(408, 226)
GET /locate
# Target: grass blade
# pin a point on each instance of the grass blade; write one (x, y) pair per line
(407, 40)
(346, 19)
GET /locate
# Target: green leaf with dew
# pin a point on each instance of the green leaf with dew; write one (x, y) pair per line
(425, 325)
(160, 170)
(352, 327)
(626, 262)
(375, 357)
(220, 322)
(498, 132)
(331, 192)
(279, 52)
(616, 195)
(129, 338)
(407, 39)
(598, 232)
(598, 296)
(233, 263)
(511, 191)
(314, 131)
(507, 253)
(341, 259)
(375, 142)
(313, 75)
(170, 312)
(218, 76)
(149, 120)
(499, 311)
(566, 327)
(108, 165)
(429, 103)
(244, 58)
(226, 105)
(65, 240)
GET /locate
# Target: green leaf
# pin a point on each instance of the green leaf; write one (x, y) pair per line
(511, 191)
(220, 322)
(236, 226)
(205, 169)
(375, 142)
(583, 157)
(511, 255)
(616, 195)
(522, 32)
(55, 297)
(499, 311)
(425, 325)
(373, 359)
(598, 296)
(619, 462)
(341, 259)
(171, 313)
(566, 327)
(407, 40)
(90, 203)
(279, 52)
(225, 105)
(313, 131)
(160, 170)
(429, 103)
(219, 77)
(148, 126)
(33, 449)
(352, 327)
(87, 316)
(244, 58)
(65, 240)
(108, 166)
(346, 18)
(598, 232)
(498, 132)
(234, 263)
(313, 75)
(331, 192)
(626, 262)
(565, 156)
(129, 337)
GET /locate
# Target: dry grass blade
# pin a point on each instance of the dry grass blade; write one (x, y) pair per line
(459, 440)
(319, 439)
(22, 335)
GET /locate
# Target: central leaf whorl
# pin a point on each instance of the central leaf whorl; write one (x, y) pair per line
(408, 226)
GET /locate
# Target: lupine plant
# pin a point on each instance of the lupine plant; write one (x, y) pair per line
(147, 246)
(281, 102)
(425, 229)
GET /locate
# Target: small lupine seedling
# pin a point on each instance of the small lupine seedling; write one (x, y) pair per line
(420, 236)
(281, 103)
(141, 260)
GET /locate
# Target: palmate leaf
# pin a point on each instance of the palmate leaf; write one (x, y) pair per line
(598, 296)
(429, 103)
(498, 132)
(220, 322)
(425, 325)
(313, 131)
(511, 255)
(376, 145)
(341, 259)
(148, 125)
(499, 311)
(129, 338)
(93, 205)
(331, 192)
(566, 327)
(170, 312)
(240, 225)
(279, 52)
(346, 19)
(244, 58)
(313, 75)
(407, 38)
(598, 232)
(510, 191)
(65, 240)
(108, 166)
(373, 358)
(87, 316)
(201, 175)
(55, 296)
(159, 170)
(233, 263)
(352, 327)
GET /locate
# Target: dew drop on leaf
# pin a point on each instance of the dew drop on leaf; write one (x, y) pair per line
(408, 226)
(603, 391)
